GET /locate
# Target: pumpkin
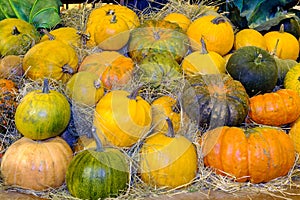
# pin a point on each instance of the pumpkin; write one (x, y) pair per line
(97, 173)
(275, 108)
(42, 114)
(11, 66)
(168, 160)
(215, 100)
(113, 68)
(294, 134)
(249, 37)
(157, 36)
(291, 79)
(258, 154)
(16, 37)
(255, 68)
(50, 59)
(203, 62)
(164, 107)
(216, 31)
(85, 88)
(108, 26)
(159, 71)
(36, 165)
(122, 118)
(182, 20)
(288, 46)
(8, 95)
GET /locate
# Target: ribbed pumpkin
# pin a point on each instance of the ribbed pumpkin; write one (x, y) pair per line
(255, 68)
(275, 108)
(42, 114)
(122, 118)
(203, 62)
(11, 66)
(157, 36)
(50, 59)
(258, 154)
(85, 88)
(249, 37)
(17, 37)
(98, 173)
(215, 100)
(168, 160)
(109, 26)
(291, 79)
(36, 165)
(182, 20)
(216, 31)
(294, 134)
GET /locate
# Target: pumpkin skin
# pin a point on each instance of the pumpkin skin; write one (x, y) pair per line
(50, 59)
(276, 108)
(249, 37)
(212, 29)
(257, 155)
(122, 118)
(36, 165)
(294, 134)
(168, 160)
(283, 66)
(215, 100)
(85, 88)
(291, 79)
(11, 66)
(16, 37)
(157, 36)
(42, 114)
(255, 68)
(182, 20)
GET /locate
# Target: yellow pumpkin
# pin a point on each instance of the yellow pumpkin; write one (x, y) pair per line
(291, 79)
(182, 20)
(249, 37)
(203, 62)
(216, 31)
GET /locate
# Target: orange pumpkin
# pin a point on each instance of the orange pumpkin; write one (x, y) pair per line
(249, 37)
(294, 134)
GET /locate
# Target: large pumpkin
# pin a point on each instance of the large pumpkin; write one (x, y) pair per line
(17, 37)
(275, 108)
(42, 114)
(255, 68)
(36, 165)
(168, 160)
(50, 59)
(122, 118)
(215, 100)
(157, 36)
(257, 154)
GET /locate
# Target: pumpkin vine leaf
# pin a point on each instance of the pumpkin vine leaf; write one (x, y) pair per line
(40, 13)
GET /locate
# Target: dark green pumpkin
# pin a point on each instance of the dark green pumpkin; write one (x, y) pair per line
(255, 68)
(159, 71)
(42, 114)
(158, 36)
(98, 173)
(215, 100)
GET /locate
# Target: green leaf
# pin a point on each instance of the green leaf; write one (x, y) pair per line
(40, 13)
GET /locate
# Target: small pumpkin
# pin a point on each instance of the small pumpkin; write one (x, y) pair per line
(168, 160)
(182, 20)
(122, 118)
(275, 108)
(258, 154)
(42, 114)
(85, 88)
(11, 66)
(36, 165)
(255, 68)
(50, 59)
(249, 37)
(291, 79)
(216, 31)
(203, 62)
(17, 36)
(98, 173)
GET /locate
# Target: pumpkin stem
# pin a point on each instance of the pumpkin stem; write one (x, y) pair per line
(84, 37)
(218, 20)
(258, 59)
(46, 86)
(46, 32)
(97, 83)
(67, 69)
(281, 29)
(99, 146)
(170, 132)
(273, 53)
(15, 31)
(113, 19)
(135, 92)
(203, 46)
(110, 12)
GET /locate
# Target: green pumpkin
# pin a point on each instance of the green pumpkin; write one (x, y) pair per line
(158, 36)
(97, 173)
(215, 100)
(255, 68)
(42, 114)
(283, 66)
(160, 71)
(17, 37)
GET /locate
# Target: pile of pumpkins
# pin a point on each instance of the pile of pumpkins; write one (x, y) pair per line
(240, 88)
